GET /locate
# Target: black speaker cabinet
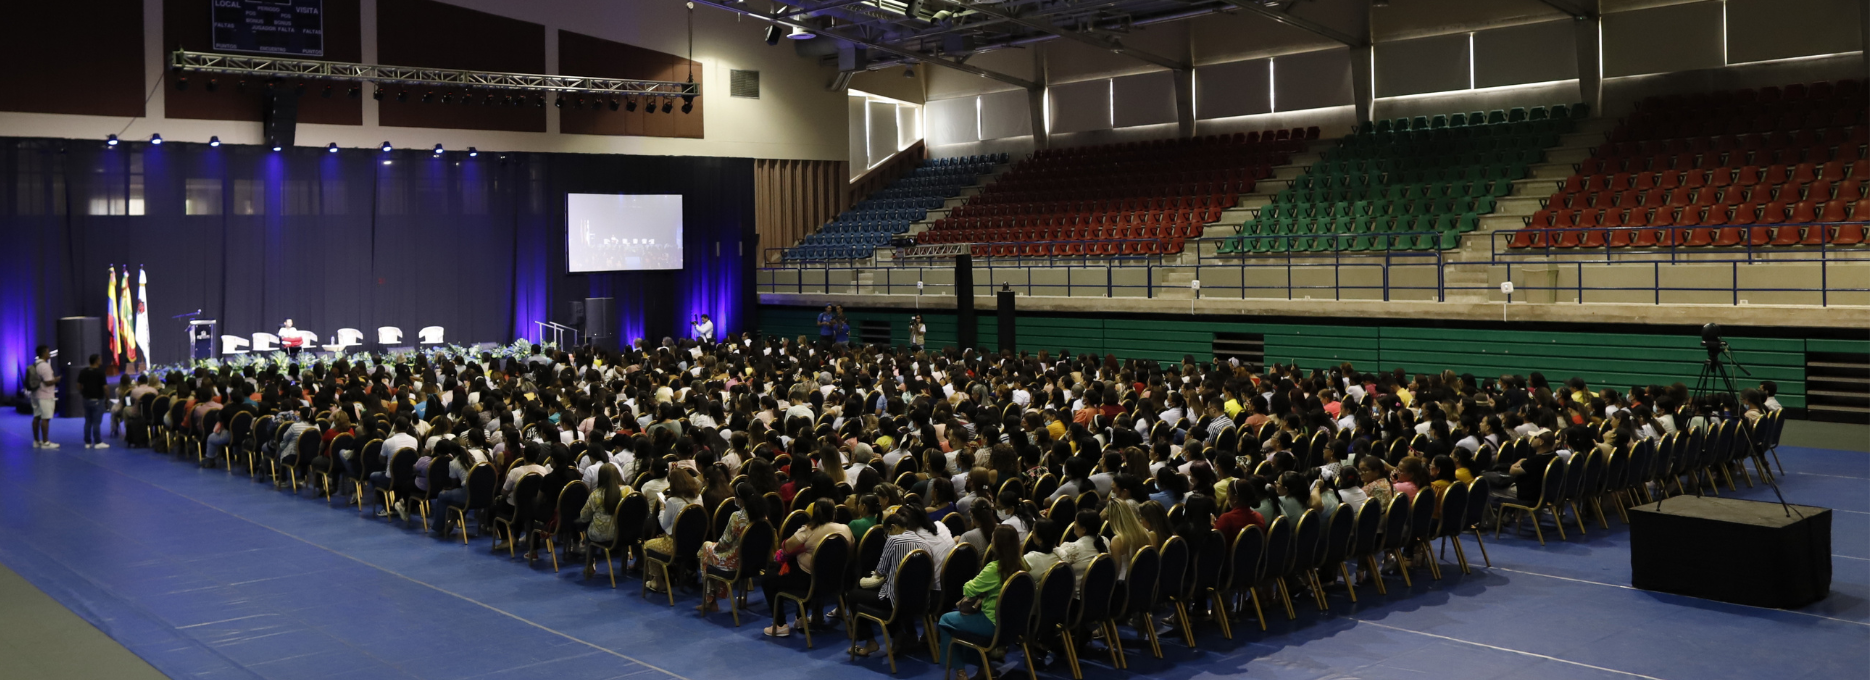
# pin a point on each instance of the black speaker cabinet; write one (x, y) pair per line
(79, 337)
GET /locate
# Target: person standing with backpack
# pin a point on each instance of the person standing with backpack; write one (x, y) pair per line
(43, 382)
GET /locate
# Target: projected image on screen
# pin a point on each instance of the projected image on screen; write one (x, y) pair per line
(610, 232)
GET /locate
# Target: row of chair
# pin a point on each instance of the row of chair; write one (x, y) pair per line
(1746, 176)
(1834, 235)
(1517, 114)
(1281, 244)
(1703, 215)
(1817, 145)
(1136, 245)
(1086, 232)
(1822, 90)
(873, 222)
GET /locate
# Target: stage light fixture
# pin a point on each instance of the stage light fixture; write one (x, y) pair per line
(688, 107)
(446, 98)
(558, 102)
(667, 105)
(490, 99)
(472, 152)
(214, 84)
(355, 90)
(331, 148)
(276, 146)
(402, 95)
(386, 147)
(538, 101)
(438, 149)
(377, 94)
(799, 33)
(298, 88)
(327, 93)
(155, 140)
(214, 141)
(649, 106)
(240, 86)
(110, 141)
(181, 83)
(613, 103)
(772, 34)
(427, 96)
(579, 104)
(909, 72)
(630, 104)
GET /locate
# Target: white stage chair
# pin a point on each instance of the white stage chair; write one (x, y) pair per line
(431, 335)
(265, 342)
(233, 344)
(389, 335)
(350, 337)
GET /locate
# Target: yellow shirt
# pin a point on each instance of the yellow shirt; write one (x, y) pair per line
(1233, 408)
(1408, 398)
(1057, 428)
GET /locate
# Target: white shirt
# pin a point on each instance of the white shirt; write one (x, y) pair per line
(705, 330)
(398, 442)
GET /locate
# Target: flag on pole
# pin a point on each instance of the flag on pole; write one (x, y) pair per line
(142, 312)
(110, 317)
(126, 315)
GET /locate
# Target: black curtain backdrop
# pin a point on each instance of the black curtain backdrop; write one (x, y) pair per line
(354, 239)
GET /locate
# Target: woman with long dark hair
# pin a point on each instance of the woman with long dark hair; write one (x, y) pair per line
(978, 611)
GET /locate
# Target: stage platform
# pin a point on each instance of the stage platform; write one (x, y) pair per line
(207, 576)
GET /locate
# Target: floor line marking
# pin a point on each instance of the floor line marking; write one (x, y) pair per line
(430, 586)
(1502, 649)
(1619, 585)
(1820, 474)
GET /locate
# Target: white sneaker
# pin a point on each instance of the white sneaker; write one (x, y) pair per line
(51, 445)
(100, 445)
(38, 444)
(90, 446)
(402, 511)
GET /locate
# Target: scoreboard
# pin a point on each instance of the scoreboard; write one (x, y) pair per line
(283, 27)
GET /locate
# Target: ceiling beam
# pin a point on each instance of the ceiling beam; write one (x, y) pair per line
(1570, 9)
(784, 20)
(802, 11)
(1288, 19)
(1068, 34)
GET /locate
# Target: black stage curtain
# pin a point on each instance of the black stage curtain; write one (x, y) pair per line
(354, 239)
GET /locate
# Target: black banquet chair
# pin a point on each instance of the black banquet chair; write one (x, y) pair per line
(829, 559)
(756, 550)
(909, 600)
(1017, 596)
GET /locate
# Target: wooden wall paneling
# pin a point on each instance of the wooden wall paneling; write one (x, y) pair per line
(583, 55)
(58, 67)
(439, 35)
(793, 198)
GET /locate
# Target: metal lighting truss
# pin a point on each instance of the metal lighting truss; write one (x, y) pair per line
(275, 67)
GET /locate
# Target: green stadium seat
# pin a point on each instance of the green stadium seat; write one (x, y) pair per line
(1449, 240)
(1457, 120)
(1438, 122)
(1536, 113)
(1496, 117)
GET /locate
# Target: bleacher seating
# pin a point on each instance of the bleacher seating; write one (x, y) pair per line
(1405, 184)
(859, 231)
(1731, 168)
(1134, 198)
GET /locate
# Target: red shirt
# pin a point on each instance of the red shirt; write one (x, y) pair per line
(1231, 522)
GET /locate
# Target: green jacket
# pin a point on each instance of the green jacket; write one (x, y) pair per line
(986, 586)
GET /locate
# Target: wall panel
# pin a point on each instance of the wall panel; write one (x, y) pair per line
(1529, 53)
(185, 25)
(793, 198)
(1143, 99)
(1423, 65)
(430, 33)
(1081, 106)
(1312, 80)
(883, 139)
(1663, 39)
(1005, 114)
(1758, 30)
(1240, 88)
(954, 121)
(588, 56)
